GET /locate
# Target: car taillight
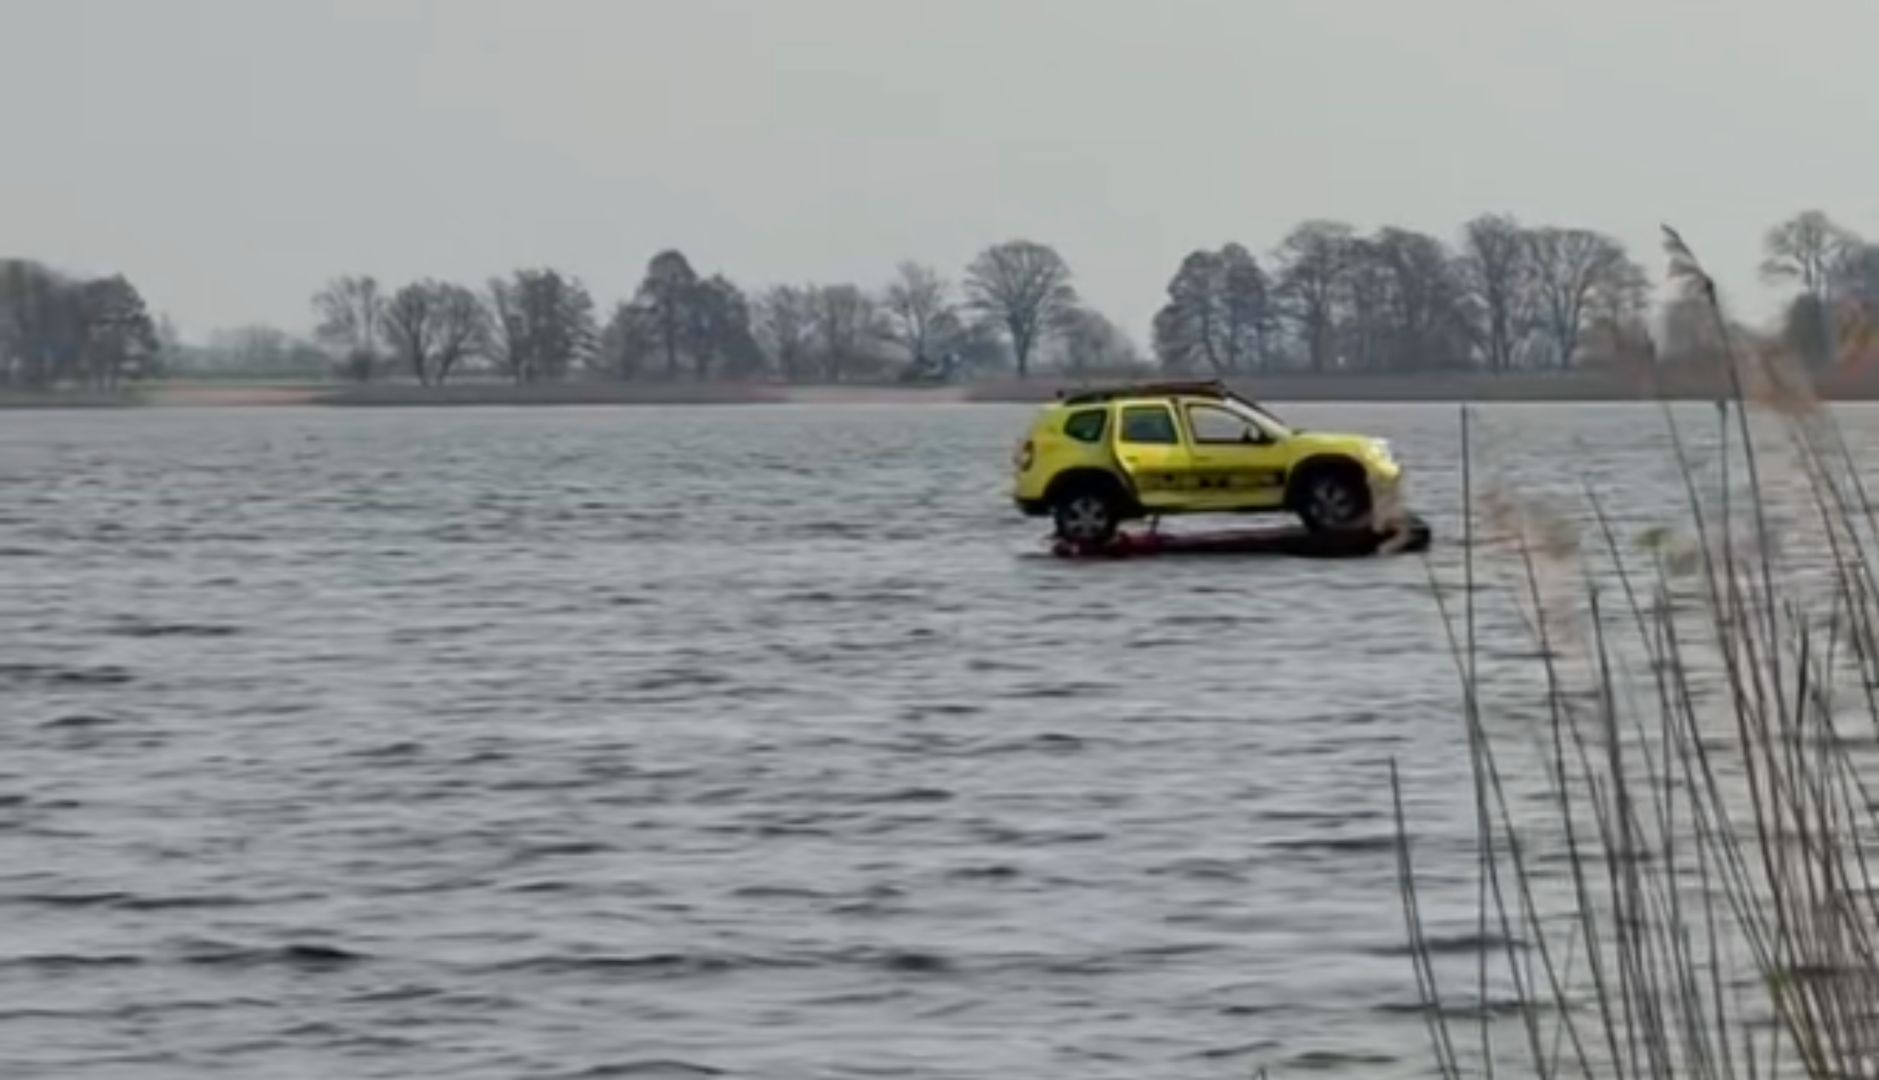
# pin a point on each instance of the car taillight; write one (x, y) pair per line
(1024, 456)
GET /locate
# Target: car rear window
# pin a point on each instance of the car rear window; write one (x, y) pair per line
(1152, 425)
(1149, 424)
(1087, 426)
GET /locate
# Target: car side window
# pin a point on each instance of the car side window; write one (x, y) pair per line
(1212, 424)
(1087, 426)
(1149, 425)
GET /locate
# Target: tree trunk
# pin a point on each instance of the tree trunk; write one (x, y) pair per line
(1021, 350)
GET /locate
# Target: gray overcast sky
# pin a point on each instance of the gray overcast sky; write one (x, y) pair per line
(229, 155)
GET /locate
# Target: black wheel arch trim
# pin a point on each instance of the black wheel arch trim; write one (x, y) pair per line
(1082, 476)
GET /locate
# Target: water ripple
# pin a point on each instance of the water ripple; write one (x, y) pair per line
(687, 742)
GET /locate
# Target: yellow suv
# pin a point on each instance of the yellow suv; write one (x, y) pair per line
(1096, 459)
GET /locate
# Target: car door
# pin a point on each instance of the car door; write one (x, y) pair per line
(1236, 463)
(1152, 454)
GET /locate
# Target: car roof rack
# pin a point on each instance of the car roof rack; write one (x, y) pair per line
(1211, 388)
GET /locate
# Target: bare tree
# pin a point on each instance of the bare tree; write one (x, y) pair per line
(1313, 260)
(1362, 314)
(668, 294)
(786, 325)
(979, 349)
(1025, 287)
(706, 321)
(29, 293)
(1570, 266)
(119, 339)
(1091, 342)
(461, 329)
(1804, 249)
(1424, 312)
(846, 325)
(1497, 267)
(718, 331)
(545, 324)
(1617, 331)
(1246, 303)
(431, 326)
(1855, 277)
(257, 350)
(920, 312)
(627, 342)
(1811, 250)
(1188, 328)
(409, 323)
(58, 330)
(350, 311)
(510, 330)
(1219, 314)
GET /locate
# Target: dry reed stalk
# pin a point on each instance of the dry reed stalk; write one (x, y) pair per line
(1717, 881)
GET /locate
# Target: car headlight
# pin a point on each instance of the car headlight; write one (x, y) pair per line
(1383, 449)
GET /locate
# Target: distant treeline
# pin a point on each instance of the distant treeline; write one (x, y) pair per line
(56, 330)
(1505, 297)
(1015, 308)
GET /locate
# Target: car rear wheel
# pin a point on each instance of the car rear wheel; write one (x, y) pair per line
(1085, 516)
(1334, 499)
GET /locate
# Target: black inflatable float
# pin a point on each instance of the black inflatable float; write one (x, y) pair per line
(1295, 541)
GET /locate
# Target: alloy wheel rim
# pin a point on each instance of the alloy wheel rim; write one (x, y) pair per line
(1086, 518)
(1333, 503)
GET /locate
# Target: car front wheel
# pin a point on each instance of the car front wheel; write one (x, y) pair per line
(1085, 517)
(1333, 500)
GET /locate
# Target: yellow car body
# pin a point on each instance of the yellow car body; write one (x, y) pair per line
(1093, 460)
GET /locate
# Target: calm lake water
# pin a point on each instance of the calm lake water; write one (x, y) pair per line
(760, 742)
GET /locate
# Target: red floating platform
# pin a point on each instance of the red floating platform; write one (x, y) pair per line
(1294, 541)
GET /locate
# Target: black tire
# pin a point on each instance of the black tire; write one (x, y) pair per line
(1086, 514)
(1333, 500)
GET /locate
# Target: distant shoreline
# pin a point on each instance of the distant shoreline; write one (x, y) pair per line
(1421, 387)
